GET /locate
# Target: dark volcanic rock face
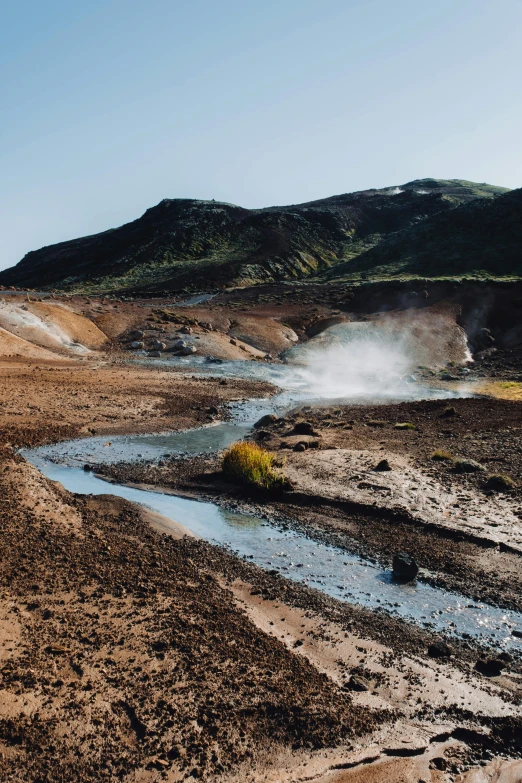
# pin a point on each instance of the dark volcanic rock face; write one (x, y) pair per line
(184, 242)
(481, 238)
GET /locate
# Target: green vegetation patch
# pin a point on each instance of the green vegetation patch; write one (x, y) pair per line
(442, 456)
(250, 464)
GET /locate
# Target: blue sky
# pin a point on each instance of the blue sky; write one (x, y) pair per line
(109, 107)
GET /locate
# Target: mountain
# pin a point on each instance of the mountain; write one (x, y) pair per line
(481, 238)
(203, 244)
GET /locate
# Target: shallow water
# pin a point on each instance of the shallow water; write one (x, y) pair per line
(195, 300)
(296, 556)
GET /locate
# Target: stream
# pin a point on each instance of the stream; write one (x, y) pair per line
(295, 555)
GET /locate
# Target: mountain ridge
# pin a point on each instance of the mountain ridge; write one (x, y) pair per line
(184, 243)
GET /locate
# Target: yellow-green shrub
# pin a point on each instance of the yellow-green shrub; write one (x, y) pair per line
(251, 464)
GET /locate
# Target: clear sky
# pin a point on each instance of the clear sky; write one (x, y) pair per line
(109, 106)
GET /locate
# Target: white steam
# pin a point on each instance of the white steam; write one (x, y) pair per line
(351, 360)
(377, 359)
(393, 192)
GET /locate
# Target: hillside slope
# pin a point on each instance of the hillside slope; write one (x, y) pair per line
(183, 242)
(482, 238)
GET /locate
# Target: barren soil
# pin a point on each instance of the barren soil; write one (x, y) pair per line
(130, 654)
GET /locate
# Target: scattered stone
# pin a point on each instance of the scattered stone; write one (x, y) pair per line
(406, 750)
(264, 421)
(516, 633)
(483, 340)
(301, 446)
(499, 483)
(383, 465)
(56, 649)
(405, 569)
(189, 350)
(356, 683)
(439, 649)
(304, 428)
(467, 466)
(137, 344)
(490, 667)
(449, 412)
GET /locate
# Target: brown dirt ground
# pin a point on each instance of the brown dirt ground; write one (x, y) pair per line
(128, 654)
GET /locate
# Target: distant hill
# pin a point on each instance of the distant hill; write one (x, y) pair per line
(184, 243)
(481, 238)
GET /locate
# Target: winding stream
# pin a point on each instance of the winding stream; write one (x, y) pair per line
(296, 556)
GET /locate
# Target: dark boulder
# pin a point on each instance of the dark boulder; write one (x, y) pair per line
(439, 649)
(382, 466)
(301, 446)
(264, 421)
(490, 667)
(358, 684)
(499, 483)
(405, 569)
(304, 428)
(467, 466)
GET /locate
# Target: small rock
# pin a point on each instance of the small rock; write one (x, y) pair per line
(304, 428)
(405, 569)
(189, 350)
(516, 633)
(383, 465)
(467, 466)
(56, 649)
(358, 684)
(439, 649)
(448, 413)
(301, 446)
(490, 667)
(499, 483)
(137, 344)
(270, 418)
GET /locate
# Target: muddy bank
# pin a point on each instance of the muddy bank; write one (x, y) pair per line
(124, 651)
(45, 402)
(349, 442)
(119, 645)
